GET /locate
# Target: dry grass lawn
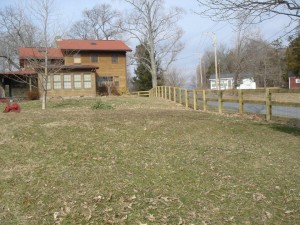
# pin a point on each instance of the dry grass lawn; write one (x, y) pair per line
(146, 161)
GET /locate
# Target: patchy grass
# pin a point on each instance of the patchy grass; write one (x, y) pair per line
(148, 161)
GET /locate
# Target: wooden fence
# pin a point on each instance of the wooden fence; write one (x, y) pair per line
(199, 99)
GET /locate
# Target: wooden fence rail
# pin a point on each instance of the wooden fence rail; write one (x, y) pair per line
(198, 99)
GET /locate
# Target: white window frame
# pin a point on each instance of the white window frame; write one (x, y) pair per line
(77, 81)
(57, 81)
(67, 82)
(87, 81)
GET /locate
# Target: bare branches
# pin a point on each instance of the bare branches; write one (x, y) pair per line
(100, 22)
(157, 30)
(256, 11)
(173, 77)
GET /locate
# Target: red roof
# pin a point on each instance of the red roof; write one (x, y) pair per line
(20, 72)
(38, 53)
(96, 45)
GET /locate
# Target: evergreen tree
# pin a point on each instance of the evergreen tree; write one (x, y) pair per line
(143, 78)
(293, 57)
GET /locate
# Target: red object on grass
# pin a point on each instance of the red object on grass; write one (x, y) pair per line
(13, 107)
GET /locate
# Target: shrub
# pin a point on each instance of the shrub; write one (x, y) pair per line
(33, 95)
(102, 105)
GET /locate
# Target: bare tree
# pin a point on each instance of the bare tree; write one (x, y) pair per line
(256, 10)
(100, 22)
(44, 12)
(81, 30)
(150, 24)
(265, 63)
(15, 31)
(239, 54)
(174, 77)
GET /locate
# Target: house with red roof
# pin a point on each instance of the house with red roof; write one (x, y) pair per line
(75, 68)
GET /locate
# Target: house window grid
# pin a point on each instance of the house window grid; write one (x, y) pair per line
(87, 81)
(56, 82)
(77, 81)
(67, 81)
(103, 80)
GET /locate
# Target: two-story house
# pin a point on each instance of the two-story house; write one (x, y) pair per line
(75, 68)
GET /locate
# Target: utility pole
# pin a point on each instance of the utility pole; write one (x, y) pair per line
(201, 75)
(216, 61)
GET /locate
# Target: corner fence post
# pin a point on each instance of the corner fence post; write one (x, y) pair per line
(170, 93)
(204, 101)
(186, 98)
(220, 101)
(195, 99)
(268, 104)
(241, 101)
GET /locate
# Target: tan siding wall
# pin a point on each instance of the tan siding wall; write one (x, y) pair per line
(106, 67)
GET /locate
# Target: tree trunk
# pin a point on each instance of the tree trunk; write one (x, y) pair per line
(44, 100)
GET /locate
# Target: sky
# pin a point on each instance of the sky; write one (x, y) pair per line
(197, 30)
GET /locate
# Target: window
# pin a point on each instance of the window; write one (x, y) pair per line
(114, 59)
(49, 82)
(67, 81)
(77, 81)
(116, 81)
(213, 84)
(87, 81)
(56, 82)
(102, 81)
(94, 58)
(77, 59)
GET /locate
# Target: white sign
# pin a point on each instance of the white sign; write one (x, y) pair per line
(297, 81)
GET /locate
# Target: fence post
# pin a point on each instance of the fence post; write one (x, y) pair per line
(268, 104)
(195, 99)
(175, 94)
(204, 101)
(156, 91)
(138, 93)
(170, 93)
(180, 95)
(166, 92)
(186, 98)
(241, 101)
(220, 101)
